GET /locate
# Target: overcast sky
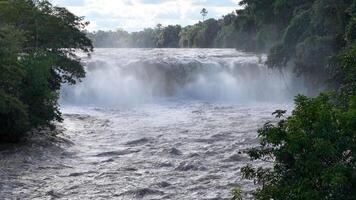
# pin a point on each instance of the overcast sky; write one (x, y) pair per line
(134, 15)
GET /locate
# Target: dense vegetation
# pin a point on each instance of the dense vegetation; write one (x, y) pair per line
(37, 54)
(312, 152)
(201, 35)
(158, 37)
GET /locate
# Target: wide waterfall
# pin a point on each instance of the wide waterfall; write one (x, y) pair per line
(117, 77)
(153, 124)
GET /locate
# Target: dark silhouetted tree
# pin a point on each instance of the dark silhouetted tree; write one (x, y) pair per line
(204, 13)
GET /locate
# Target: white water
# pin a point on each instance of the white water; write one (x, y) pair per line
(121, 77)
(152, 124)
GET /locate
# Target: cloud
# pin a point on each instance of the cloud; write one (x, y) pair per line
(134, 15)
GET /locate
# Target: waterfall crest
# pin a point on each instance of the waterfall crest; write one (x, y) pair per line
(128, 76)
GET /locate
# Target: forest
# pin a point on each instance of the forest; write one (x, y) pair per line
(37, 55)
(312, 150)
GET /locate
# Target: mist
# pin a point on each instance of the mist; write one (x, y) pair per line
(136, 76)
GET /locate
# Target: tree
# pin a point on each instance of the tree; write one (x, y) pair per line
(14, 119)
(202, 35)
(204, 13)
(312, 151)
(169, 36)
(37, 55)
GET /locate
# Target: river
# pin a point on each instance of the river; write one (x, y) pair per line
(151, 124)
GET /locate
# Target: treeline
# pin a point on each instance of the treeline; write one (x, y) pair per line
(37, 54)
(306, 34)
(208, 34)
(148, 38)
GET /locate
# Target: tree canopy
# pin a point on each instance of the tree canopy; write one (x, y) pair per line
(38, 42)
(312, 150)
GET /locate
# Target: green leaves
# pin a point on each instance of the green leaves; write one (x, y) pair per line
(37, 92)
(311, 151)
(306, 35)
(201, 35)
(37, 54)
(13, 118)
(236, 194)
(169, 36)
(13, 113)
(11, 72)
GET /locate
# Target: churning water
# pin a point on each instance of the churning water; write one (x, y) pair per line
(151, 124)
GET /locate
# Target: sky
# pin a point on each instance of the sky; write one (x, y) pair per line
(135, 15)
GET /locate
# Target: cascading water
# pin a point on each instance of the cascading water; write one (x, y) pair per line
(119, 77)
(152, 124)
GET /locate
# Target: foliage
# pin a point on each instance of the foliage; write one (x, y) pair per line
(13, 113)
(307, 35)
(204, 12)
(200, 35)
(236, 194)
(169, 36)
(37, 54)
(146, 38)
(14, 117)
(312, 150)
(227, 35)
(312, 39)
(38, 94)
(346, 76)
(159, 37)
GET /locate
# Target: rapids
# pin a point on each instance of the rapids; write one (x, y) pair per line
(151, 124)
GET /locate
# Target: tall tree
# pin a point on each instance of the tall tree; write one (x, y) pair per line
(204, 13)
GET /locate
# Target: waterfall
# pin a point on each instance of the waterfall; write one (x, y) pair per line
(120, 77)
